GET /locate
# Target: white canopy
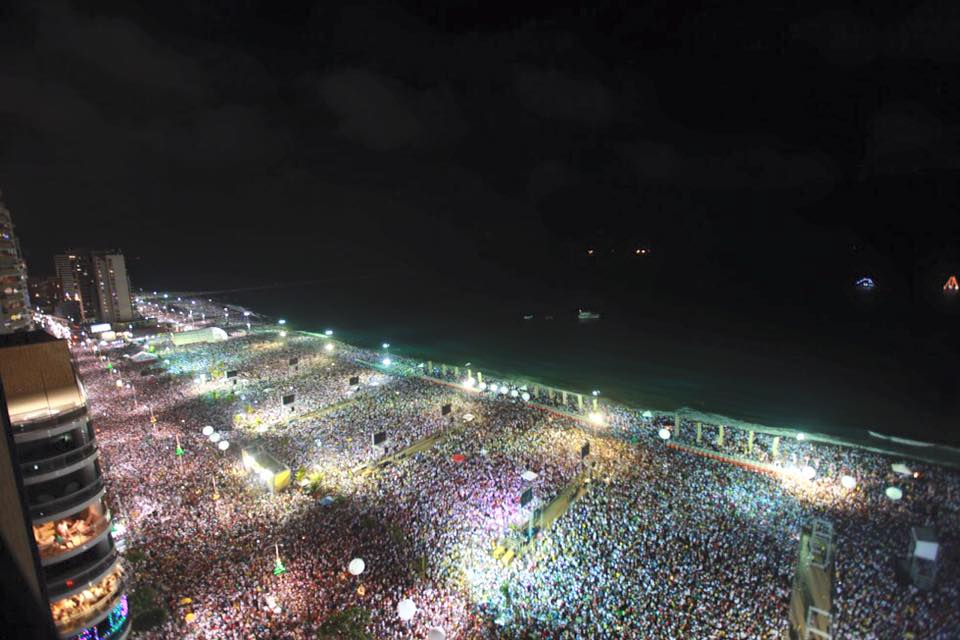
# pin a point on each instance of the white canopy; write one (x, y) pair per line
(528, 475)
(207, 334)
(902, 469)
(926, 550)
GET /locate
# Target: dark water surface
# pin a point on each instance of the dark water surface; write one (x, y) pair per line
(808, 372)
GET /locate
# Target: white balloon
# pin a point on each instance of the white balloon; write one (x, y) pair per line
(406, 609)
(356, 566)
(848, 482)
(436, 634)
(894, 493)
(215, 437)
(207, 430)
(664, 434)
(224, 445)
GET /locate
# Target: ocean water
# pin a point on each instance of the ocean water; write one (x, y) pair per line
(658, 355)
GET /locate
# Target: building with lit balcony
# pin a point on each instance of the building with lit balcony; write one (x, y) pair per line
(45, 293)
(15, 312)
(97, 282)
(55, 520)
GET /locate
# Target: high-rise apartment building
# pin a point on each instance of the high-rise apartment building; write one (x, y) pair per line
(97, 282)
(15, 312)
(113, 287)
(78, 283)
(45, 293)
(55, 523)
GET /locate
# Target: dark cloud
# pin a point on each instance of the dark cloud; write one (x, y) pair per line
(906, 137)
(929, 32)
(747, 167)
(119, 49)
(841, 37)
(52, 109)
(554, 94)
(549, 177)
(384, 114)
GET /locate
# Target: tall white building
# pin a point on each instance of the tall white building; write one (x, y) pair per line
(14, 297)
(97, 282)
(113, 287)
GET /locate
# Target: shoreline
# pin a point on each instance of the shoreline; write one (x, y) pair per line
(928, 452)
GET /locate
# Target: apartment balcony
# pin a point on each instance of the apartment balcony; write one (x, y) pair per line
(73, 574)
(115, 626)
(44, 425)
(59, 465)
(65, 538)
(49, 507)
(90, 604)
(10, 267)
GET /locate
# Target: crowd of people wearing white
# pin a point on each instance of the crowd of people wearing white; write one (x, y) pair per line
(664, 543)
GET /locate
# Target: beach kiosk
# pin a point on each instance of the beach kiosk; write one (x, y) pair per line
(270, 471)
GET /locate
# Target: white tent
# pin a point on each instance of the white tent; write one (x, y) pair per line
(901, 469)
(143, 356)
(197, 336)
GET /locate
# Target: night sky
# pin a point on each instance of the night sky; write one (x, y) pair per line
(764, 157)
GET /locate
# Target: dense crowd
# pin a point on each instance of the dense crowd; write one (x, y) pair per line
(663, 543)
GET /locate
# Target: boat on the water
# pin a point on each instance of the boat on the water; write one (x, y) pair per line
(588, 315)
(529, 316)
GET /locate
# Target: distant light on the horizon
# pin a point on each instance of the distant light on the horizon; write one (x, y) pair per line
(386, 345)
(281, 321)
(328, 332)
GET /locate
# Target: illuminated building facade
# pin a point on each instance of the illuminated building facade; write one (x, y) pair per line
(14, 302)
(113, 287)
(77, 283)
(97, 282)
(55, 521)
(45, 293)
